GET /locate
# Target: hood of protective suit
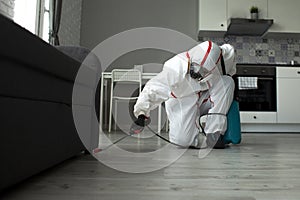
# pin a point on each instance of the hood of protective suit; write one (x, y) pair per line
(208, 56)
(229, 58)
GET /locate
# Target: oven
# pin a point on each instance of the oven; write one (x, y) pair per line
(255, 87)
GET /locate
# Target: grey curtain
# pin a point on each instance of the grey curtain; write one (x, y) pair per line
(55, 15)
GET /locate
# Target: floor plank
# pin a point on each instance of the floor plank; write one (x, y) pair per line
(264, 166)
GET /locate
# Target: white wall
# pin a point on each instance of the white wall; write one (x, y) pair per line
(69, 33)
(104, 18)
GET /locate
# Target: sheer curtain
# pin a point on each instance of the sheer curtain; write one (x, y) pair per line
(25, 14)
(55, 16)
(7, 8)
(34, 16)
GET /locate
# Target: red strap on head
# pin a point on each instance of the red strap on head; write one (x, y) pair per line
(189, 60)
(173, 95)
(219, 57)
(188, 55)
(207, 53)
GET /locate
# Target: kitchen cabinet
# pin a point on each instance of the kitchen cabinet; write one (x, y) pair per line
(288, 95)
(285, 14)
(258, 117)
(212, 15)
(286, 118)
(241, 8)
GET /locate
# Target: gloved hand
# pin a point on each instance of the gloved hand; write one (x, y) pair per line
(139, 124)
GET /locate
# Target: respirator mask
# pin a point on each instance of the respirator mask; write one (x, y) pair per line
(197, 71)
(203, 59)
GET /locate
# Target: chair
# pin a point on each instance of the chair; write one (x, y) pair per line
(123, 76)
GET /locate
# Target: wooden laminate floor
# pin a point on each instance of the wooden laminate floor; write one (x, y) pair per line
(264, 166)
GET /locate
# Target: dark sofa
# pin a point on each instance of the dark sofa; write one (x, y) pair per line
(37, 128)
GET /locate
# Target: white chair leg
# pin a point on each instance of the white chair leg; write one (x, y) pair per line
(116, 114)
(110, 108)
(167, 124)
(159, 119)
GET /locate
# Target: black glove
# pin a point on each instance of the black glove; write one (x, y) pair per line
(139, 124)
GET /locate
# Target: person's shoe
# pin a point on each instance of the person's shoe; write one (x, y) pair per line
(215, 140)
(194, 147)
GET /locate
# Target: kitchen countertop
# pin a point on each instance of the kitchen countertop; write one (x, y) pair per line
(270, 64)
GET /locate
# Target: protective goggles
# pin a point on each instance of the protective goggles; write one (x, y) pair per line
(197, 71)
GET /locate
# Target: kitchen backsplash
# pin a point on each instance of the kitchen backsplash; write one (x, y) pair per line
(261, 50)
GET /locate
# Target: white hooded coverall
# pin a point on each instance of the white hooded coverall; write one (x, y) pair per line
(186, 98)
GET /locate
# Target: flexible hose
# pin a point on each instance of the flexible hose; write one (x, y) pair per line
(161, 137)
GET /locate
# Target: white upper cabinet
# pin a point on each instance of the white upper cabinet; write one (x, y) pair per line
(286, 15)
(241, 8)
(212, 15)
(215, 14)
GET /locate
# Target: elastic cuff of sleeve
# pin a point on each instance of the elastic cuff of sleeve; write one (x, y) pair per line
(142, 113)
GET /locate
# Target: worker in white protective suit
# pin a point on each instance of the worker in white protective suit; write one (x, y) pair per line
(192, 84)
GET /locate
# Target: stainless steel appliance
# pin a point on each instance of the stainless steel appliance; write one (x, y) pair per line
(262, 95)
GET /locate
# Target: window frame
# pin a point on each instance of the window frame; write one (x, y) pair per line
(40, 18)
(40, 24)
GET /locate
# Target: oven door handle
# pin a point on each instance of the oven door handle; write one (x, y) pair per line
(265, 78)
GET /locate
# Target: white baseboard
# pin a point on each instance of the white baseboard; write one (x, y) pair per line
(271, 128)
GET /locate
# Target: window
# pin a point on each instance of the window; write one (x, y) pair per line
(34, 16)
